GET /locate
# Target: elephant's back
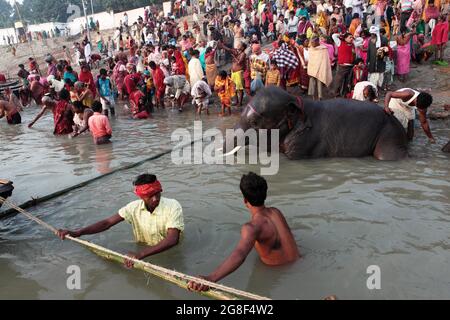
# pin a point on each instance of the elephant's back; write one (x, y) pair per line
(348, 128)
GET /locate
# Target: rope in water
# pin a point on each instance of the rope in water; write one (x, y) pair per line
(217, 291)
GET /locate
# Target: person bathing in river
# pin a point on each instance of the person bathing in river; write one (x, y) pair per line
(62, 113)
(81, 118)
(403, 103)
(156, 221)
(267, 231)
(11, 111)
(99, 125)
(104, 86)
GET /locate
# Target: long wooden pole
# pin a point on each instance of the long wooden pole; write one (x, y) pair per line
(217, 291)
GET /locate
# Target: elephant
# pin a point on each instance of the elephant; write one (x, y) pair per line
(329, 128)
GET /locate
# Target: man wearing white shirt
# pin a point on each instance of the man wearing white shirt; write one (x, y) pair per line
(348, 4)
(292, 25)
(357, 7)
(324, 7)
(280, 27)
(116, 38)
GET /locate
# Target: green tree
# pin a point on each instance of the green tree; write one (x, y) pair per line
(5, 14)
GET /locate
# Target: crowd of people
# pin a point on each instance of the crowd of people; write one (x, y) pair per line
(351, 49)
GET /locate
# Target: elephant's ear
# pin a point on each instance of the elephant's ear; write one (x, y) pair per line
(295, 114)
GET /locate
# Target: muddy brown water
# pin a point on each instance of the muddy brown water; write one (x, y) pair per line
(346, 215)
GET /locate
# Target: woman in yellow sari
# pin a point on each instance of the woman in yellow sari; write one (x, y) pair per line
(225, 90)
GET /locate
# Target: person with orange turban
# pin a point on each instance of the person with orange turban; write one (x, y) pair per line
(156, 221)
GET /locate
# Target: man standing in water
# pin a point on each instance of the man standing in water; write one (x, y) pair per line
(156, 221)
(268, 232)
(10, 110)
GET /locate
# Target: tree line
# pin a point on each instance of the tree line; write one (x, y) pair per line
(41, 11)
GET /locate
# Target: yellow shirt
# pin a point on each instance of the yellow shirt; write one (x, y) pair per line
(151, 228)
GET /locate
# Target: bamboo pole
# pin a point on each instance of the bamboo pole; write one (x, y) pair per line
(216, 291)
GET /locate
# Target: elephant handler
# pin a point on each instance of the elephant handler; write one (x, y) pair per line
(267, 231)
(403, 103)
(156, 221)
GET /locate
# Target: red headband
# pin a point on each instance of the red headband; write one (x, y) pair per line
(148, 190)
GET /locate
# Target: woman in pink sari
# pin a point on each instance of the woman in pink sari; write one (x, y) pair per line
(362, 51)
(403, 54)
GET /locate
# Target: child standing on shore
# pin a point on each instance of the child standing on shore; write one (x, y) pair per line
(225, 89)
(273, 77)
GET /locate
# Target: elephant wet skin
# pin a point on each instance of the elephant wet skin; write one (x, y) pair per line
(330, 128)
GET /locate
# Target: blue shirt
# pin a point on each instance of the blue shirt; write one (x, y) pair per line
(71, 76)
(104, 87)
(302, 12)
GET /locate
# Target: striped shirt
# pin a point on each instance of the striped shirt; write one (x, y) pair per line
(406, 5)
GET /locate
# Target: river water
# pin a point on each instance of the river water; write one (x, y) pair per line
(346, 215)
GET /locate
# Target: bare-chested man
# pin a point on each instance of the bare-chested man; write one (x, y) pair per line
(38, 90)
(12, 98)
(10, 111)
(268, 232)
(238, 68)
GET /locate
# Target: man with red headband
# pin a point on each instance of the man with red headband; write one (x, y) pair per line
(156, 221)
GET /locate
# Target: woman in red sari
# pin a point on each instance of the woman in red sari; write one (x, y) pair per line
(63, 114)
(158, 80)
(179, 66)
(86, 77)
(299, 75)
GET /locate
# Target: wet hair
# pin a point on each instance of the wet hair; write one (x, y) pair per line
(254, 189)
(144, 179)
(64, 95)
(97, 106)
(424, 100)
